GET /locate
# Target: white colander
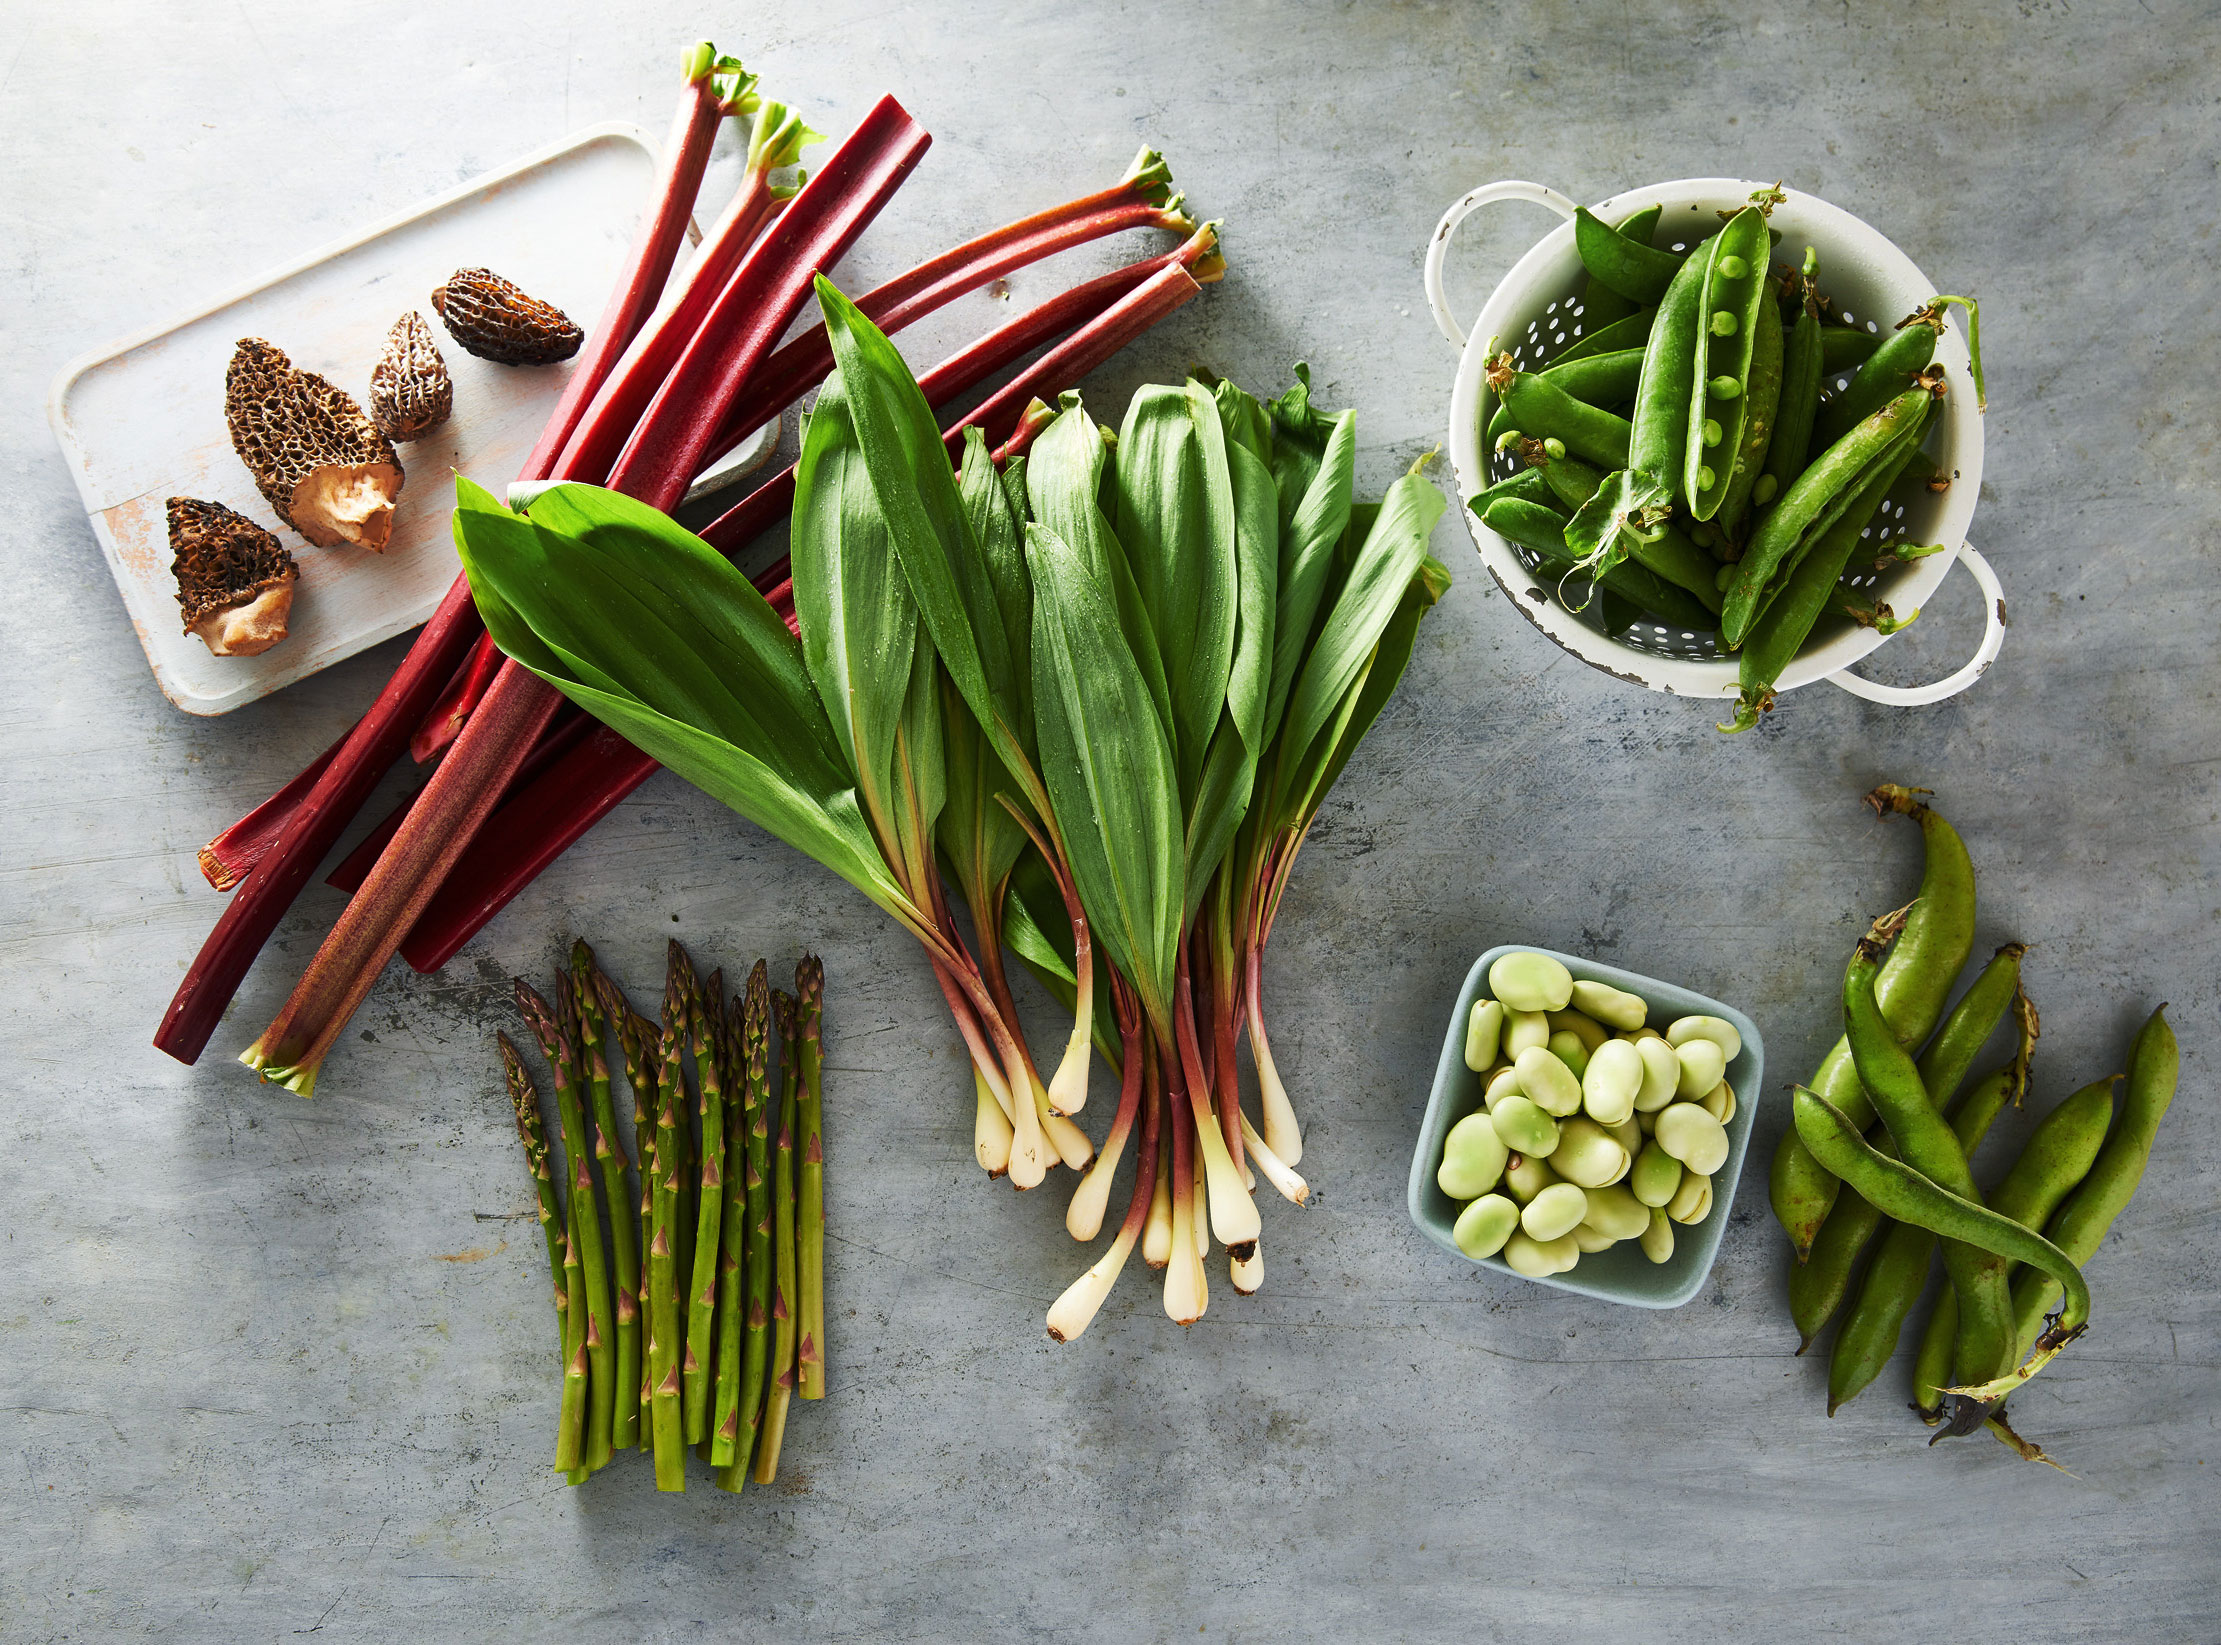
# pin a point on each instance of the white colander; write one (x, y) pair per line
(1535, 312)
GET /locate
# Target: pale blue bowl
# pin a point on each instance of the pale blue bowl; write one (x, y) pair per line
(1622, 1274)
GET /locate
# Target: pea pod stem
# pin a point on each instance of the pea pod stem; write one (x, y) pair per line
(1911, 1197)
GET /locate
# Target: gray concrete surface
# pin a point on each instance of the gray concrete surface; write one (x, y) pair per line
(275, 1367)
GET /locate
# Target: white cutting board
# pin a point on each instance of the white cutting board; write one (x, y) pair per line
(142, 420)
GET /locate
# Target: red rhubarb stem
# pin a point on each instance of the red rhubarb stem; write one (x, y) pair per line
(226, 859)
(761, 300)
(656, 246)
(623, 400)
(377, 740)
(907, 298)
(1099, 303)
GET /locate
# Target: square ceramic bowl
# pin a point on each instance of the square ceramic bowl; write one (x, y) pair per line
(1622, 1274)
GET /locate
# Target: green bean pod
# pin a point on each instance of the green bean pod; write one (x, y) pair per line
(1814, 504)
(2080, 1224)
(1803, 366)
(1899, 1272)
(1901, 356)
(1670, 554)
(1728, 309)
(1786, 623)
(1910, 1196)
(1632, 332)
(1600, 304)
(1635, 270)
(1659, 436)
(2058, 1156)
(1543, 410)
(1543, 530)
(1594, 379)
(1762, 405)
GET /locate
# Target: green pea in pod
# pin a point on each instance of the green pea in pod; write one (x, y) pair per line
(1732, 298)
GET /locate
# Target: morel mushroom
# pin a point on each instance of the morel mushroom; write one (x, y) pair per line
(410, 390)
(495, 321)
(319, 461)
(234, 579)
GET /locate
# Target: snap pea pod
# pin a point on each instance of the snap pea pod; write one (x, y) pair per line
(1931, 1148)
(1659, 436)
(1909, 1196)
(1818, 1285)
(1527, 485)
(1803, 365)
(1639, 272)
(1783, 627)
(1670, 554)
(1632, 332)
(1600, 304)
(1842, 346)
(1811, 506)
(2079, 1226)
(1543, 410)
(1762, 403)
(1895, 1278)
(1914, 983)
(1543, 530)
(1594, 379)
(1728, 309)
(1900, 358)
(2058, 1156)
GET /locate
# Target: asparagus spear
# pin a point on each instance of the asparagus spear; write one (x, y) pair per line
(756, 1349)
(532, 1131)
(785, 1305)
(686, 1161)
(725, 1390)
(557, 1033)
(701, 1325)
(663, 1297)
(809, 983)
(643, 1048)
(617, 1182)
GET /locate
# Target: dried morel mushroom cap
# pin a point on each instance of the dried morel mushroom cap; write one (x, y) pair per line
(410, 390)
(495, 321)
(327, 471)
(234, 579)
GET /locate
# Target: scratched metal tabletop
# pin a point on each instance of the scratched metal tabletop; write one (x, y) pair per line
(275, 1367)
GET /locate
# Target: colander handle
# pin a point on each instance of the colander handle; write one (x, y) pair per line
(1439, 246)
(1993, 638)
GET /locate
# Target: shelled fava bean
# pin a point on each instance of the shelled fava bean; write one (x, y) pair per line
(1595, 1127)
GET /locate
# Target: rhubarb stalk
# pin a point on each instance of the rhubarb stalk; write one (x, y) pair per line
(756, 305)
(227, 859)
(379, 737)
